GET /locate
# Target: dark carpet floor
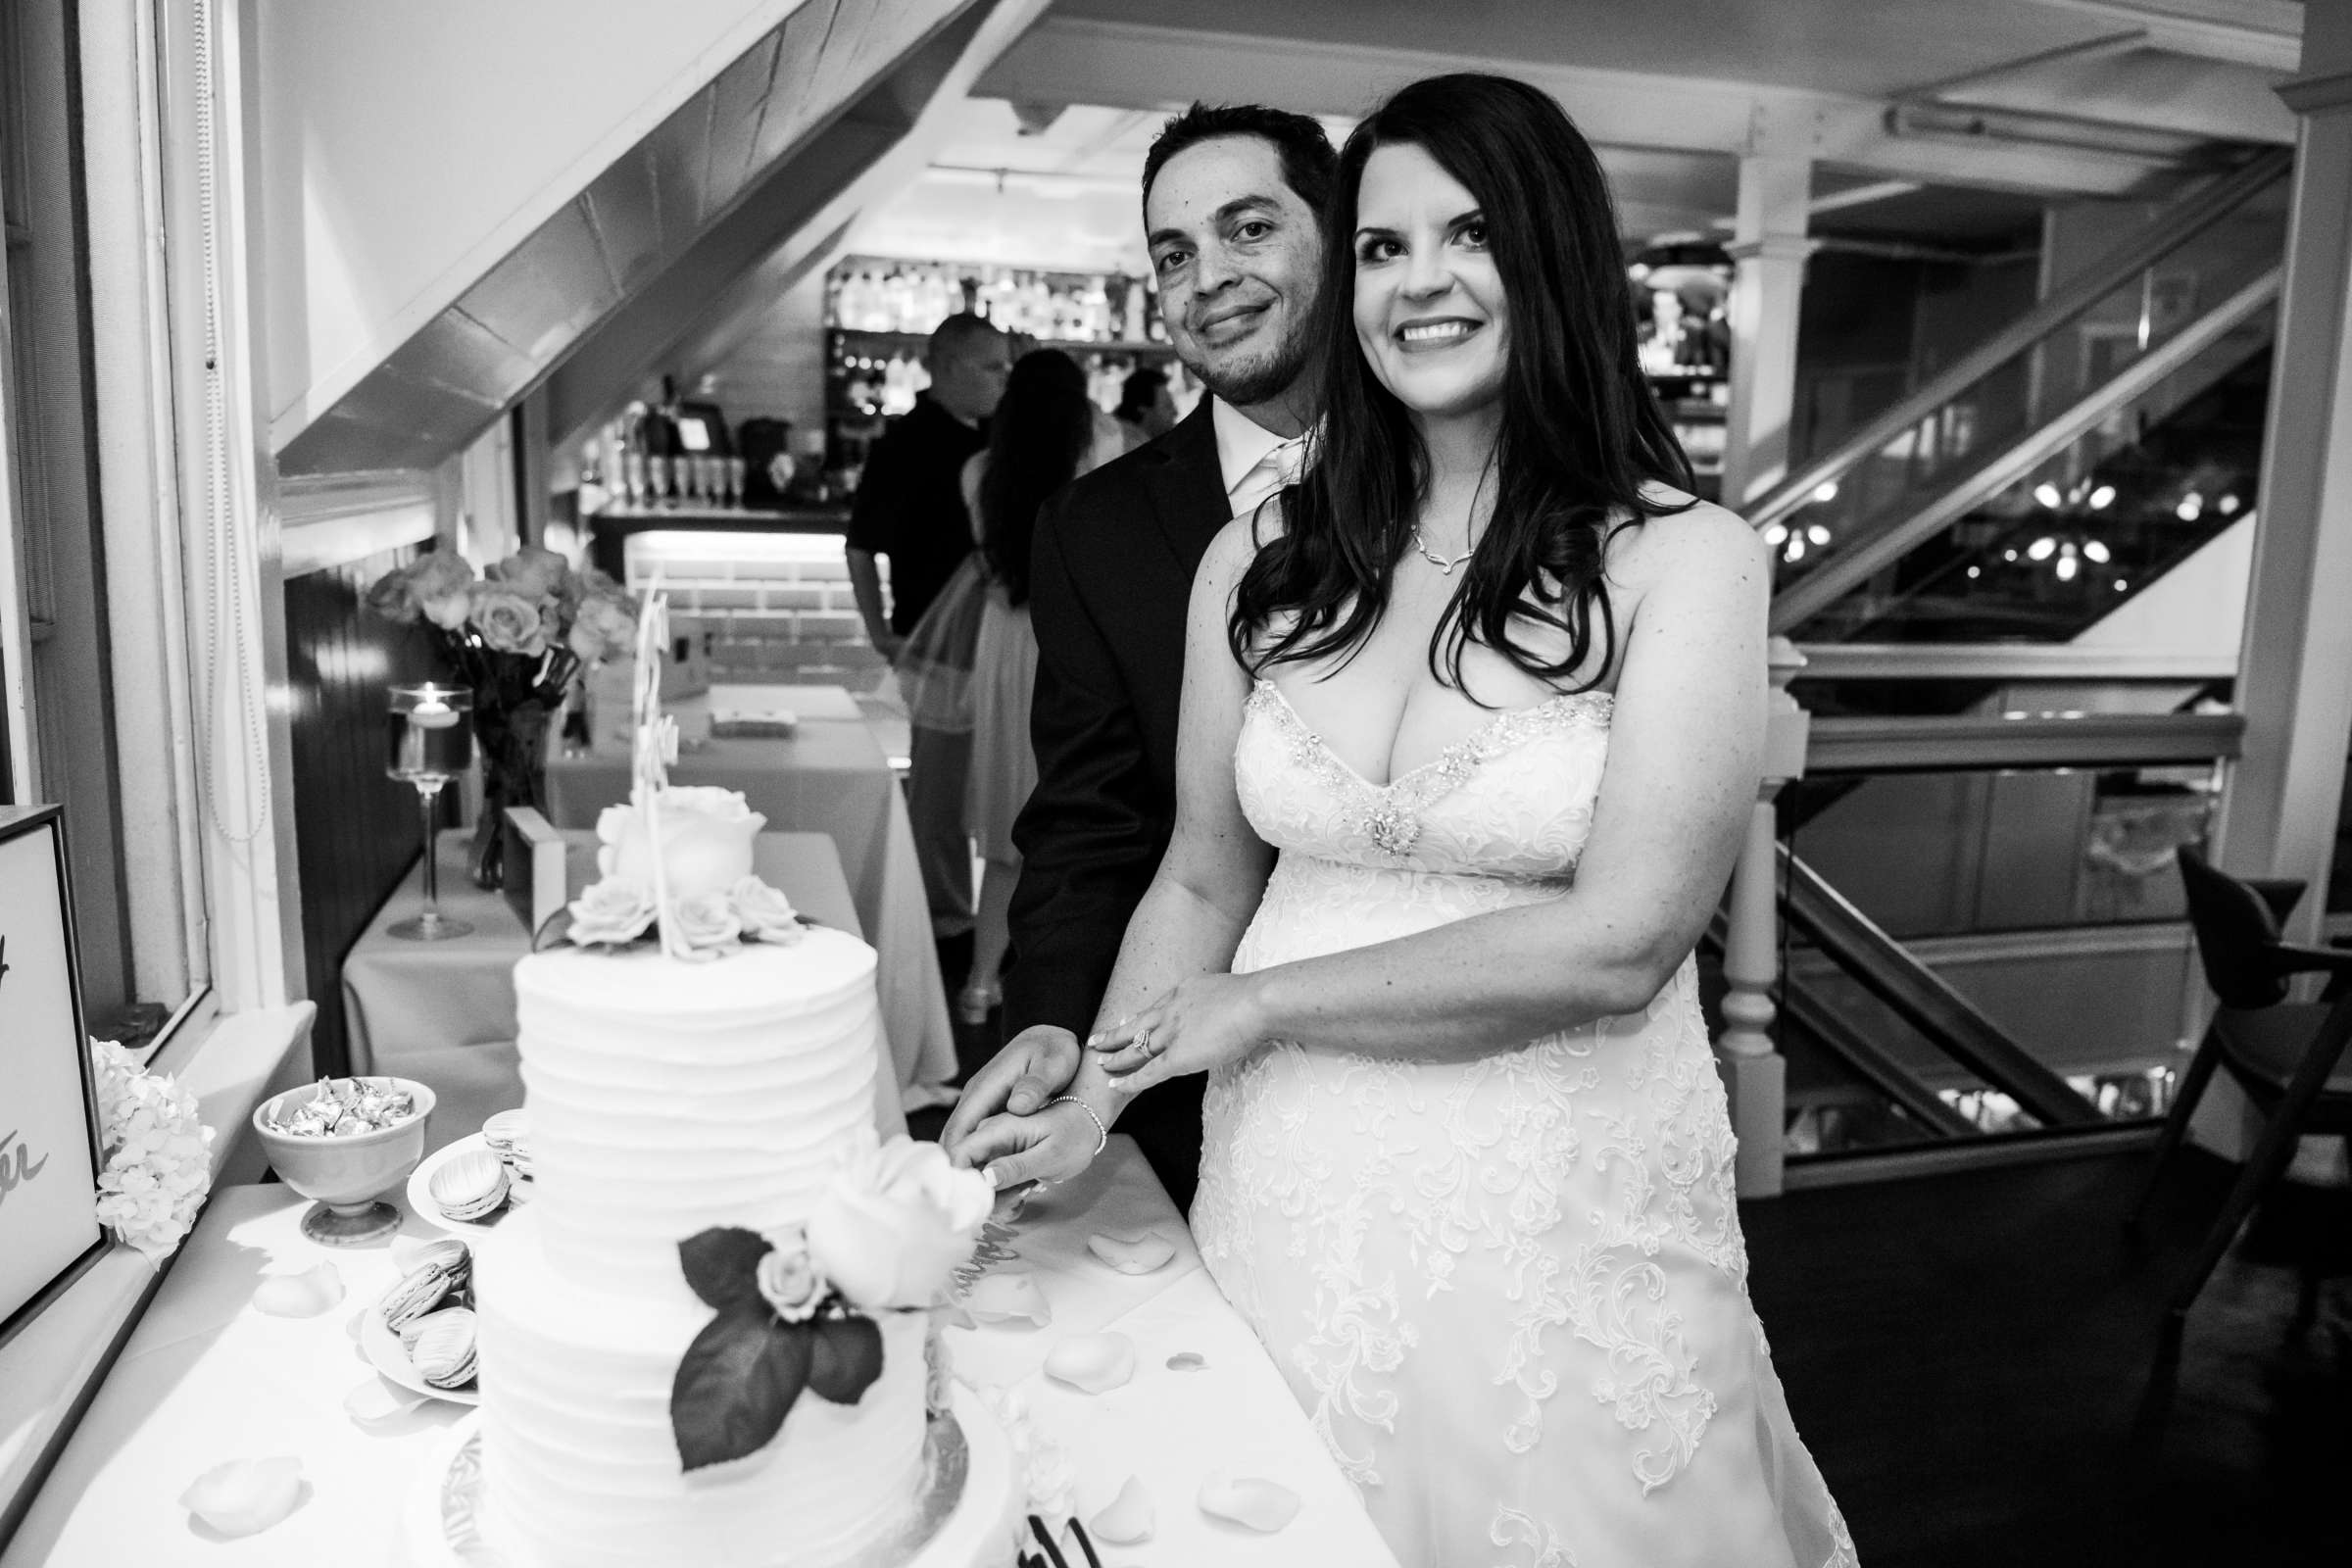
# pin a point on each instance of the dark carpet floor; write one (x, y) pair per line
(1968, 1356)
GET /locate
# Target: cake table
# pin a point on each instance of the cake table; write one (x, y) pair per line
(206, 1376)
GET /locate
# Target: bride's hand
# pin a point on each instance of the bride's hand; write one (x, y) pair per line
(1205, 1022)
(1049, 1146)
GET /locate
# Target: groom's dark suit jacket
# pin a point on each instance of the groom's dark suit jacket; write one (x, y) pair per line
(1110, 572)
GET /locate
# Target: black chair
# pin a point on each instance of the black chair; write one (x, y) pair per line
(2284, 1054)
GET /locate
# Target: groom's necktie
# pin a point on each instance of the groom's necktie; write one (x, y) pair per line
(1278, 468)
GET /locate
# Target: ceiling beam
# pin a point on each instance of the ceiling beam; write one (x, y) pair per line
(799, 221)
(1077, 60)
(2263, 33)
(1883, 191)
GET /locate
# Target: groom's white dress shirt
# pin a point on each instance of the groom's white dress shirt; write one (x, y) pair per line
(1252, 461)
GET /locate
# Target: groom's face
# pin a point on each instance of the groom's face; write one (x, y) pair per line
(1237, 255)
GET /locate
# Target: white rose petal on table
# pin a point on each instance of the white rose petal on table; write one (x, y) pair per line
(1006, 1296)
(1132, 1254)
(245, 1497)
(305, 1295)
(1092, 1364)
(373, 1404)
(1251, 1501)
(1129, 1518)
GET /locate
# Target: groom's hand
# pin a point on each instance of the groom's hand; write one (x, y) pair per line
(1051, 1146)
(1034, 1066)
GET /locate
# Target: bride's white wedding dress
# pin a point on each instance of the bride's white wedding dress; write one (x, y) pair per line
(1510, 1293)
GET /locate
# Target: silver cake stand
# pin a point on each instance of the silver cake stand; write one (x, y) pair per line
(444, 1519)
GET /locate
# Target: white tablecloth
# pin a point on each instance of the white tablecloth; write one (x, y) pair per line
(207, 1378)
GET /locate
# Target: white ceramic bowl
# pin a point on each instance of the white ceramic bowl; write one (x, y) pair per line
(346, 1175)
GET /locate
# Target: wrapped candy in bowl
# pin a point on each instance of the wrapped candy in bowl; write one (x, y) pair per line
(344, 1143)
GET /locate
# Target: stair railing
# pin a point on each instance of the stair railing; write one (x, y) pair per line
(2078, 295)
(1802, 600)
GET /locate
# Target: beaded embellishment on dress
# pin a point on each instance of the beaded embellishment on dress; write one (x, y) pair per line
(1389, 814)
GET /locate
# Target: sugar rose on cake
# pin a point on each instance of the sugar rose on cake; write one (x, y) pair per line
(707, 838)
(613, 911)
(707, 899)
(896, 1223)
(706, 920)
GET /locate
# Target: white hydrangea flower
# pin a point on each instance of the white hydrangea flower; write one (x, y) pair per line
(158, 1154)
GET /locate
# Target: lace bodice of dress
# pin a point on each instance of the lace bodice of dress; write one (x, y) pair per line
(1496, 819)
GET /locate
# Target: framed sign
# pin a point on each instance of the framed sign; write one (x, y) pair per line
(49, 1157)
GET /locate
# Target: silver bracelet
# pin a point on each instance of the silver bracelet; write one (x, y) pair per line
(1102, 1132)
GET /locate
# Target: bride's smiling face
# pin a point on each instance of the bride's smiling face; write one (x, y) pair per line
(1430, 310)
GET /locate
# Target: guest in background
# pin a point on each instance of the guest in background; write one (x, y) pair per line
(1146, 404)
(909, 508)
(1045, 434)
(765, 445)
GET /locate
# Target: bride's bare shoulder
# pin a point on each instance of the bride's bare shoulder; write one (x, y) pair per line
(1699, 538)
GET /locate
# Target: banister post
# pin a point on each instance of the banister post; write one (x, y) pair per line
(1754, 1073)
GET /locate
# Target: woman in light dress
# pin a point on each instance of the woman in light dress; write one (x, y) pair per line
(1045, 433)
(1471, 730)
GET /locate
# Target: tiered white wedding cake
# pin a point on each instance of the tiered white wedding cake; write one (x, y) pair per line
(704, 1340)
(666, 1099)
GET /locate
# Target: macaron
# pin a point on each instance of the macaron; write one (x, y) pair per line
(414, 1329)
(424, 1289)
(452, 1255)
(506, 1131)
(470, 1187)
(444, 1353)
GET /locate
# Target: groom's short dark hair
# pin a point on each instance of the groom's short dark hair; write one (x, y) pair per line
(1307, 158)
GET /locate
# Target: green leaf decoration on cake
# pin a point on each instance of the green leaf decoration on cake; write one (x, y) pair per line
(736, 1384)
(722, 1264)
(845, 1358)
(739, 1378)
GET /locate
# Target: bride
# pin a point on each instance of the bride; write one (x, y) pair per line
(1471, 725)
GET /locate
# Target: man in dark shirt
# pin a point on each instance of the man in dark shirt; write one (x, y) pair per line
(909, 508)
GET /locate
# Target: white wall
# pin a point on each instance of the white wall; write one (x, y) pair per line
(407, 147)
(778, 367)
(2199, 607)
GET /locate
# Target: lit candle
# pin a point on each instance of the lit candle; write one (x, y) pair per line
(432, 713)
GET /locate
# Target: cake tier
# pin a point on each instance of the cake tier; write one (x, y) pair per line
(669, 1097)
(579, 1467)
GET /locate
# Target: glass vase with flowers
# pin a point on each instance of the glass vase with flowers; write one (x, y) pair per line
(518, 637)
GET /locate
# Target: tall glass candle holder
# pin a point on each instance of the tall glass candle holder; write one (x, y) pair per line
(430, 728)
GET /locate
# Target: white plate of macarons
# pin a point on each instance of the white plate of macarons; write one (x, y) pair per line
(420, 1331)
(468, 1186)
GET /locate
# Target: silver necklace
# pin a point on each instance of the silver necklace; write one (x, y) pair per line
(1444, 566)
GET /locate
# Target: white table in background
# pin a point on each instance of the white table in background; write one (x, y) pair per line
(207, 1378)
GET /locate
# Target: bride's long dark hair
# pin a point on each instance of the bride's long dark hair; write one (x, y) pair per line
(1581, 432)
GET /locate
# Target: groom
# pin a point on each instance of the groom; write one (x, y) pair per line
(1230, 200)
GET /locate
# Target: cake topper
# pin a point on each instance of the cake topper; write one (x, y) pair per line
(654, 749)
(675, 862)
